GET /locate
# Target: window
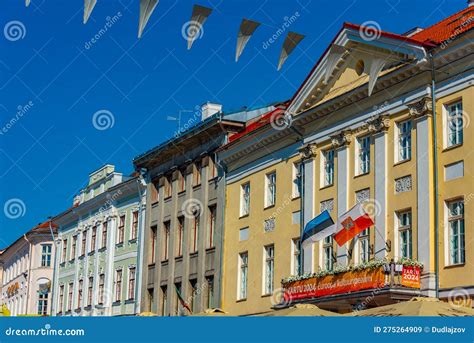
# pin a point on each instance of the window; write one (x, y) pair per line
(121, 229)
(456, 232)
(269, 269)
(180, 237)
(164, 299)
(131, 283)
(177, 287)
(295, 255)
(182, 180)
(404, 140)
(364, 246)
(63, 259)
(69, 297)
(270, 189)
(104, 234)
(61, 298)
(193, 289)
(243, 275)
(195, 234)
(89, 291)
(245, 199)
(211, 227)
(154, 192)
(454, 116)
(153, 244)
(46, 255)
(101, 288)
(84, 243)
(363, 155)
(118, 285)
(328, 252)
(328, 167)
(210, 292)
(42, 304)
(405, 234)
(73, 248)
(244, 234)
(168, 186)
(166, 241)
(197, 173)
(297, 178)
(79, 293)
(133, 234)
(93, 238)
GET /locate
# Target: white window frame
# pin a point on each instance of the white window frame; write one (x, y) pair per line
(327, 162)
(241, 287)
(295, 256)
(461, 243)
(270, 189)
(360, 148)
(268, 274)
(403, 135)
(297, 179)
(244, 199)
(328, 251)
(363, 246)
(452, 122)
(402, 228)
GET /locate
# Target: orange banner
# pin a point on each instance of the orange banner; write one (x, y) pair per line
(335, 284)
(411, 277)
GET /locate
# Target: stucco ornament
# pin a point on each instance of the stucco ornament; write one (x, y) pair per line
(308, 151)
(380, 123)
(421, 107)
(341, 138)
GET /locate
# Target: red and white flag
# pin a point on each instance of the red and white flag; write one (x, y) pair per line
(351, 223)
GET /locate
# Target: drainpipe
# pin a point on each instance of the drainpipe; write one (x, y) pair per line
(140, 247)
(53, 264)
(29, 274)
(435, 173)
(223, 192)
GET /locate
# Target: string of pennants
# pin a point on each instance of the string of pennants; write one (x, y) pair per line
(198, 18)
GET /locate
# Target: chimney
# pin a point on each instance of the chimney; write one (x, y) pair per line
(470, 3)
(208, 109)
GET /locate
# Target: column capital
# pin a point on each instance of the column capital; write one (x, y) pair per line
(421, 107)
(341, 138)
(308, 151)
(380, 123)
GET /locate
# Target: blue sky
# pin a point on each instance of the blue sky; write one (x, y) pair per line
(59, 80)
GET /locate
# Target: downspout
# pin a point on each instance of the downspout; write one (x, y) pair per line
(223, 194)
(54, 265)
(29, 274)
(140, 249)
(435, 172)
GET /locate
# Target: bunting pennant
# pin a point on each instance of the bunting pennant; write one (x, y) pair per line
(88, 7)
(27, 3)
(334, 55)
(194, 26)
(290, 43)
(247, 28)
(376, 65)
(146, 9)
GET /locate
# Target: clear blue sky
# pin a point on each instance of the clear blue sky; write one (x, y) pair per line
(47, 154)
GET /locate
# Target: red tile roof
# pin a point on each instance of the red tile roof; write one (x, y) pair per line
(448, 28)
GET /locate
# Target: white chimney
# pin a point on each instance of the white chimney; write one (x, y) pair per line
(208, 109)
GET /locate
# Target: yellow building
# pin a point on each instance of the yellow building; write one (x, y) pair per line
(360, 130)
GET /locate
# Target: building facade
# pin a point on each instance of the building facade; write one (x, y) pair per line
(185, 206)
(27, 272)
(98, 248)
(360, 129)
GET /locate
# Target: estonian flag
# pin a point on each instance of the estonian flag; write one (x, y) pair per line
(318, 228)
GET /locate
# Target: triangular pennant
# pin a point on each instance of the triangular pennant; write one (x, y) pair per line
(335, 54)
(375, 67)
(247, 28)
(146, 9)
(193, 29)
(27, 3)
(290, 43)
(88, 7)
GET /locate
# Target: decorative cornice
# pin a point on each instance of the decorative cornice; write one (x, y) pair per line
(308, 151)
(341, 138)
(420, 108)
(380, 123)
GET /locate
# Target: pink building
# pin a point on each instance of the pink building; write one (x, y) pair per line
(26, 271)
